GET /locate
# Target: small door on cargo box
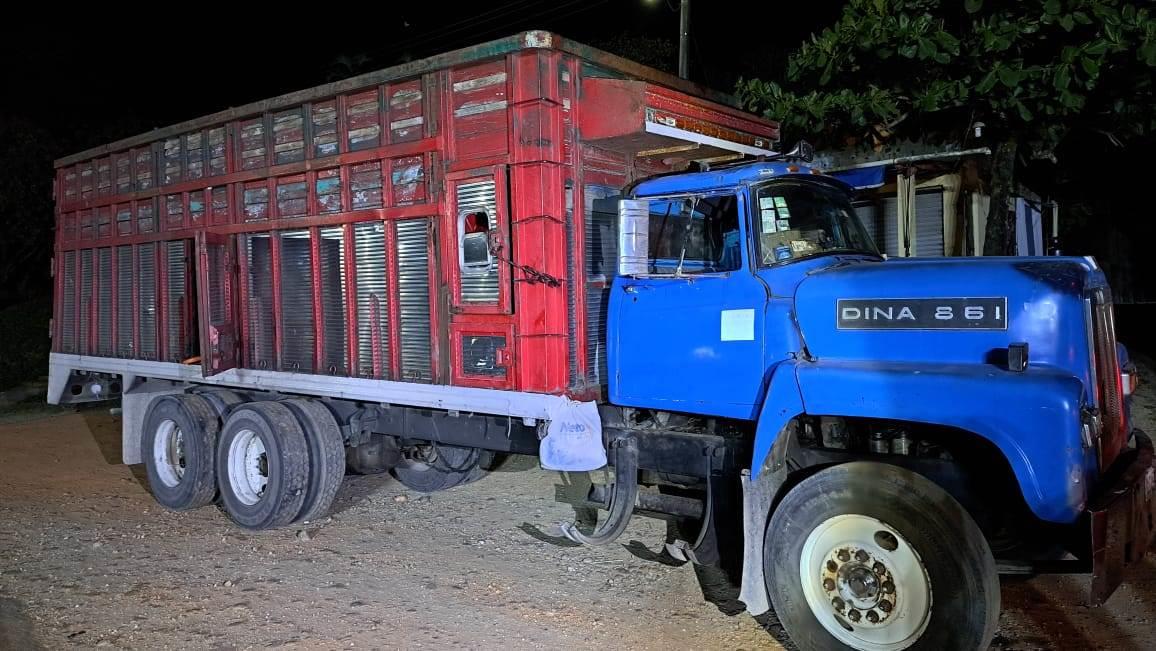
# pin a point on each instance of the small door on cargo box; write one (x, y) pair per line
(216, 266)
(481, 244)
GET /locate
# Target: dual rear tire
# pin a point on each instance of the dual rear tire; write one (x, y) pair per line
(270, 463)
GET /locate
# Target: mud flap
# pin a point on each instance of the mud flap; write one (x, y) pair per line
(1123, 520)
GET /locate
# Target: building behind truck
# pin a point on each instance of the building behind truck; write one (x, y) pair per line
(530, 246)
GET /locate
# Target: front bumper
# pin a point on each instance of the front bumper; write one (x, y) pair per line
(1123, 518)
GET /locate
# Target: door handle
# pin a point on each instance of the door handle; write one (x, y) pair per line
(634, 289)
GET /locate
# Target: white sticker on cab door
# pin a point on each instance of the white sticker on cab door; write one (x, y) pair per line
(738, 325)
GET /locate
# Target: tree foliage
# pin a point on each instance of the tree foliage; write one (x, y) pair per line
(1031, 70)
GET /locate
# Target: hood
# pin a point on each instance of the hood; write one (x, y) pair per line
(950, 310)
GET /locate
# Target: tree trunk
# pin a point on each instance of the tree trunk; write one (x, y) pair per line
(1000, 234)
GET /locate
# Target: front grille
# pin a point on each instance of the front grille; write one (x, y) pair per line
(1110, 393)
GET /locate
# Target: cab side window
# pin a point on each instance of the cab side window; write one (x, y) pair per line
(694, 235)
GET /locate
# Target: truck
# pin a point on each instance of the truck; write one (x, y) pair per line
(534, 247)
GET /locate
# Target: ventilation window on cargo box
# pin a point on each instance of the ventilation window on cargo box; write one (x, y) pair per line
(297, 318)
(103, 176)
(103, 221)
(288, 137)
(363, 120)
(69, 225)
(86, 180)
(220, 198)
(143, 165)
(256, 202)
(179, 316)
(408, 180)
(197, 208)
(171, 157)
(252, 144)
(87, 309)
(145, 217)
(324, 129)
(372, 289)
(104, 281)
(194, 156)
(259, 324)
(174, 210)
(484, 355)
(365, 185)
(405, 112)
(291, 197)
(71, 180)
(413, 291)
(68, 311)
(474, 247)
(123, 165)
(124, 310)
(146, 287)
(123, 219)
(87, 224)
(334, 349)
(217, 160)
(328, 191)
(477, 220)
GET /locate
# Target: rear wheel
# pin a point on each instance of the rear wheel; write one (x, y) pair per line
(179, 435)
(874, 557)
(432, 467)
(262, 465)
(326, 456)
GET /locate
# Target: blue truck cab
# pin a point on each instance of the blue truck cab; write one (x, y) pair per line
(900, 427)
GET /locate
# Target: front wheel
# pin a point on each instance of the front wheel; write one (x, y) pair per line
(874, 557)
(432, 467)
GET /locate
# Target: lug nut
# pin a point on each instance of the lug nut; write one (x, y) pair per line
(828, 585)
(885, 606)
(838, 604)
(879, 568)
(844, 555)
(872, 616)
(854, 615)
(888, 587)
(861, 556)
(832, 566)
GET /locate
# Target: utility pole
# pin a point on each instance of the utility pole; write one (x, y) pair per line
(684, 39)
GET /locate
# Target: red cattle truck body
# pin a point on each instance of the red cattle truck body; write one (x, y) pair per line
(316, 243)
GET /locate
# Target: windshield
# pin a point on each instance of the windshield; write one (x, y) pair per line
(797, 219)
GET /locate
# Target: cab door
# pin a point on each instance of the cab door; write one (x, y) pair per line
(686, 328)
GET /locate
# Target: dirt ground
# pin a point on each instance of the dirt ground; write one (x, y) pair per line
(87, 559)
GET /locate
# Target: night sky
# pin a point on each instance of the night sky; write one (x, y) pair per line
(90, 79)
(77, 78)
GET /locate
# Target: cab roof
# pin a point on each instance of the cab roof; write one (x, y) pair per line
(729, 177)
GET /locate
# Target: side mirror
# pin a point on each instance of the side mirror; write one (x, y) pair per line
(633, 236)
